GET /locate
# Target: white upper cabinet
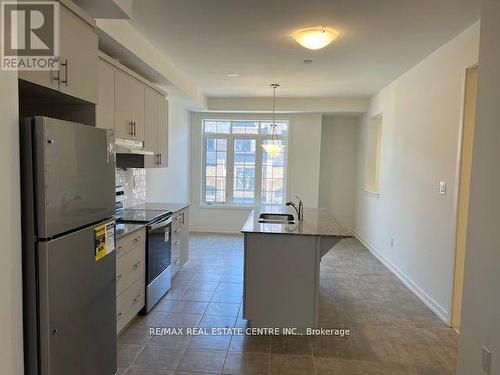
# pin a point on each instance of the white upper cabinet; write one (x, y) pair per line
(78, 62)
(134, 108)
(156, 122)
(129, 106)
(77, 74)
(105, 108)
(152, 126)
(163, 131)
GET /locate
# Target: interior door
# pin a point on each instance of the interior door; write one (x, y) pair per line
(75, 174)
(77, 306)
(464, 189)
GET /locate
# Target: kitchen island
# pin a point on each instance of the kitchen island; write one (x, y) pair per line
(281, 267)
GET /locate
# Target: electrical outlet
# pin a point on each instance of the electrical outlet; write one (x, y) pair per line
(443, 187)
(486, 360)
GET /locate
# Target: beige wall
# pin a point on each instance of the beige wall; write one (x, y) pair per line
(303, 169)
(172, 184)
(422, 118)
(11, 351)
(481, 297)
(339, 137)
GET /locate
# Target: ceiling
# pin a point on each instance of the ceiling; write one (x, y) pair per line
(379, 40)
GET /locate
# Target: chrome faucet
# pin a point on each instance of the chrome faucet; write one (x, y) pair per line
(299, 210)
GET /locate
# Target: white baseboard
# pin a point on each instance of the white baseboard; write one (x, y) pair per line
(214, 230)
(441, 312)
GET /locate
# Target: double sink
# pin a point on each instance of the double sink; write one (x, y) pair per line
(271, 218)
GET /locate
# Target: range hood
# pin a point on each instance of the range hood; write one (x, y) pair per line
(131, 146)
(130, 153)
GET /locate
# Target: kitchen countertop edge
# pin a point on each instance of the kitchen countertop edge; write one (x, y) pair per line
(163, 206)
(317, 222)
(125, 229)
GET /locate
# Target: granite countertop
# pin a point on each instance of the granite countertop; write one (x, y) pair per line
(317, 222)
(124, 229)
(172, 207)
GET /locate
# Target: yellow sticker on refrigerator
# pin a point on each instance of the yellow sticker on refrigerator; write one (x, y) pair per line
(104, 239)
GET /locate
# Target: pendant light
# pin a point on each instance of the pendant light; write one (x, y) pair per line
(274, 148)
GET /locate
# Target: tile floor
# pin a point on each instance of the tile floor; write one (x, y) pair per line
(392, 332)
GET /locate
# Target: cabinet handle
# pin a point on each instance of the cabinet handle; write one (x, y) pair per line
(135, 266)
(138, 238)
(131, 128)
(160, 159)
(65, 64)
(177, 243)
(119, 316)
(178, 230)
(119, 277)
(138, 298)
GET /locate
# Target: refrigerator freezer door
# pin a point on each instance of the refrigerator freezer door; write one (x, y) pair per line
(74, 175)
(77, 296)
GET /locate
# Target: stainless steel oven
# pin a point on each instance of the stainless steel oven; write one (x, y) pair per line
(158, 259)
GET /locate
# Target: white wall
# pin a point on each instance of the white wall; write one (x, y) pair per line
(172, 184)
(124, 42)
(339, 143)
(11, 351)
(303, 169)
(481, 296)
(289, 105)
(422, 117)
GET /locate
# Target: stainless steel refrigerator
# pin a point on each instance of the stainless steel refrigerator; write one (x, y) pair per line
(68, 198)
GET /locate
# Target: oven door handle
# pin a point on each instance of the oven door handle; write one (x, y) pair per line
(160, 224)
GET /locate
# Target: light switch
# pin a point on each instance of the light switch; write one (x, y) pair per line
(443, 187)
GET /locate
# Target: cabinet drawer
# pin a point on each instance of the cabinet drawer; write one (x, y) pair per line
(130, 268)
(178, 239)
(129, 303)
(126, 244)
(178, 246)
(176, 265)
(178, 222)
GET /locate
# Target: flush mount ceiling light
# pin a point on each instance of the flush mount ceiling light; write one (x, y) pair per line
(316, 38)
(274, 147)
(232, 75)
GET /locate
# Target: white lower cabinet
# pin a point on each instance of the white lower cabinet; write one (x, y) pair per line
(180, 239)
(130, 277)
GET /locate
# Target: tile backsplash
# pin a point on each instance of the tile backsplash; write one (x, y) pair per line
(134, 184)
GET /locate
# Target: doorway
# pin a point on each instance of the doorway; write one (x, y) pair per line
(471, 78)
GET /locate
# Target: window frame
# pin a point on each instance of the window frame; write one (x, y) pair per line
(230, 139)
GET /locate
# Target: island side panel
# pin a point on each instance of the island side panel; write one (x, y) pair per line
(281, 276)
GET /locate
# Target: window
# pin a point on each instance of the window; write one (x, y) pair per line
(373, 151)
(236, 169)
